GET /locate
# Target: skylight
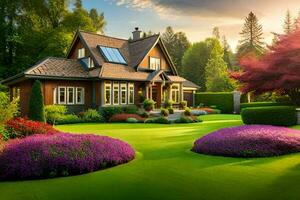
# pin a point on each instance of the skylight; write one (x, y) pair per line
(112, 55)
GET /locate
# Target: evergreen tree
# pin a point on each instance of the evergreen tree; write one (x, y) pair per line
(176, 44)
(251, 42)
(217, 77)
(216, 33)
(36, 103)
(288, 24)
(98, 20)
(78, 4)
(297, 21)
(227, 57)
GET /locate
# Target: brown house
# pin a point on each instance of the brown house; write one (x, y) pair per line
(105, 71)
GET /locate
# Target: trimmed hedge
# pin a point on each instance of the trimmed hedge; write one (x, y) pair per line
(271, 115)
(222, 100)
(262, 104)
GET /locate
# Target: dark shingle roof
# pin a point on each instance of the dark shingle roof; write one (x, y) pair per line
(58, 67)
(190, 84)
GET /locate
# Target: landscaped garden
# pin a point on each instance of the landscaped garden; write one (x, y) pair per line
(166, 168)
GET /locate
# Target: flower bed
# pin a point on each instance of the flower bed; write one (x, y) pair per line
(21, 127)
(250, 141)
(123, 117)
(61, 154)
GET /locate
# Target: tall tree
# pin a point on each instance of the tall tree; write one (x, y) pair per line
(277, 70)
(297, 21)
(36, 103)
(176, 44)
(252, 40)
(217, 77)
(228, 56)
(216, 33)
(98, 20)
(288, 24)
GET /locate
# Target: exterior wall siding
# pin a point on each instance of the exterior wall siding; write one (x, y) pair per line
(157, 53)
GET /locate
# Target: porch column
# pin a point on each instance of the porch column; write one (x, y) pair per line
(147, 91)
(181, 92)
(159, 95)
(150, 91)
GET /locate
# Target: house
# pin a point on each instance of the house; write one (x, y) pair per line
(103, 71)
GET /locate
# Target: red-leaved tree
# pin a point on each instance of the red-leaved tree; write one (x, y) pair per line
(277, 70)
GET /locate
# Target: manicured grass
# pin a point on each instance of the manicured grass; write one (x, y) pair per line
(165, 168)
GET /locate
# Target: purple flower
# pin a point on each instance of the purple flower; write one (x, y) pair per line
(61, 154)
(249, 141)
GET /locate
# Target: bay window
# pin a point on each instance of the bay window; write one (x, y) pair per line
(107, 93)
(116, 93)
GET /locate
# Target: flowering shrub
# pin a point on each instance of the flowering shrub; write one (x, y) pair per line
(123, 117)
(62, 154)
(250, 141)
(21, 127)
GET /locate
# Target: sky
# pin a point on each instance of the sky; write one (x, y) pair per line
(194, 17)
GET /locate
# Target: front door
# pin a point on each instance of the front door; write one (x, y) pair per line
(155, 95)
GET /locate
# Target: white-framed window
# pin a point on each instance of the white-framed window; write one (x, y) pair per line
(116, 96)
(154, 63)
(62, 95)
(130, 93)
(123, 93)
(91, 63)
(107, 93)
(70, 95)
(175, 93)
(54, 95)
(79, 95)
(81, 53)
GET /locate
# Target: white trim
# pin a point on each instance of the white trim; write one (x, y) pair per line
(130, 85)
(54, 95)
(117, 85)
(156, 64)
(65, 95)
(68, 95)
(177, 95)
(123, 84)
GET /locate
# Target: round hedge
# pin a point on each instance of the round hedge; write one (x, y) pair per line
(62, 154)
(249, 141)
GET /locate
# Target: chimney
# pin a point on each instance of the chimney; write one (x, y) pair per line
(136, 34)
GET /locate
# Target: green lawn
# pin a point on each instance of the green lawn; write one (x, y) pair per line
(165, 168)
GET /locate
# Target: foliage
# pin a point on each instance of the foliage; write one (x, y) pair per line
(171, 110)
(209, 110)
(92, 115)
(54, 112)
(288, 24)
(187, 112)
(158, 120)
(187, 120)
(268, 74)
(167, 104)
(198, 112)
(183, 104)
(217, 76)
(223, 100)
(62, 154)
(176, 44)
(69, 119)
(9, 109)
(148, 104)
(252, 40)
(36, 103)
(164, 112)
(229, 56)
(262, 104)
(249, 141)
(109, 111)
(132, 120)
(271, 115)
(123, 117)
(20, 127)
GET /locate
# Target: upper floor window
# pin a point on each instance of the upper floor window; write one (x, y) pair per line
(154, 63)
(81, 53)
